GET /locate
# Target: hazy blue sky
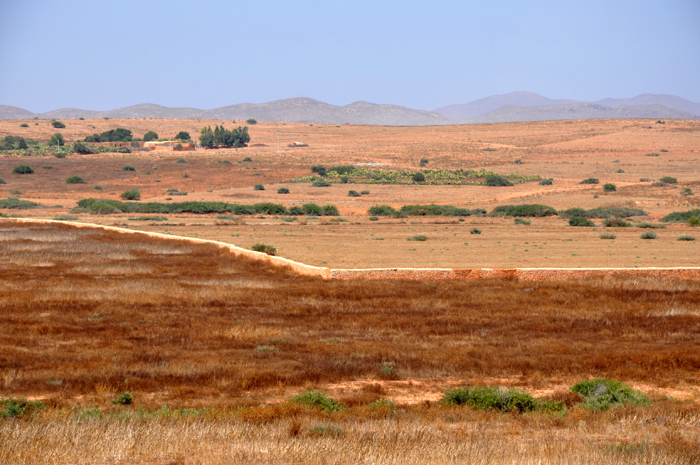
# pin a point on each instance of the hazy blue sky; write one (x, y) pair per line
(101, 55)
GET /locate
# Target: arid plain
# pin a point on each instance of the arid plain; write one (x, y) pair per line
(211, 349)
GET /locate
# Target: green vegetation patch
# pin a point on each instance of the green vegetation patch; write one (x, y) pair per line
(148, 218)
(317, 400)
(579, 221)
(361, 175)
(438, 210)
(504, 400)
(603, 212)
(19, 408)
(533, 210)
(14, 203)
(264, 248)
(603, 393)
(680, 217)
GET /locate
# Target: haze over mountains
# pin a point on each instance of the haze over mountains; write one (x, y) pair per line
(512, 107)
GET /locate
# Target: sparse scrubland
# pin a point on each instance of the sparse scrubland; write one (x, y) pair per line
(166, 351)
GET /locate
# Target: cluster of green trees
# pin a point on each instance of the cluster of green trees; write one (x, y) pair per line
(13, 143)
(113, 135)
(223, 137)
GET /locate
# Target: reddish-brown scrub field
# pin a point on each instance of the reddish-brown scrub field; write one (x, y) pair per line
(211, 348)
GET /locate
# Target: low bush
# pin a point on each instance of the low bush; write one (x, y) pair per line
(251, 121)
(615, 222)
(686, 238)
(423, 162)
(687, 191)
(590, 181)
(546, 182)
(652, 154)
(181, 160)
(148, 218)
(496, 180)
(258, 187)
(268, 249)
(603, 212)
(75, 180)
(475, 231)
(607, 236)
(669, 180)
(364, 192)
(82, 149)
(491, 398)
(680, 217)
(318, 400)
(58, 124)
(342, 169)
(532, 210)
(418, 177)
(694, 221)
(522, 221)
(19, 408)
(2, 181)
(131, 194)
(344, 179)
(649, 235)
(650, 226)
(65, 218)
(128, 168)
(104, 208)
(439, 210)
(354, 194)
(320, 183)
(579, 221)
(660, 184)
(418, 238)
(382, 210)
(645, 180)
(609, 187)
(320, 169)
(373, 218)
(24, 125)
(283, 190)
(603, 393)
(23, 169)
(123, 399)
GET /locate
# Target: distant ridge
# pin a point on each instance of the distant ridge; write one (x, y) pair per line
(302, 109)
(515, 113)
(512, 107)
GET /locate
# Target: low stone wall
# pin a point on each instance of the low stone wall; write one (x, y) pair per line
(413, 274)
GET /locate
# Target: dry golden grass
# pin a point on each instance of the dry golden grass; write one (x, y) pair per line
(87, 314)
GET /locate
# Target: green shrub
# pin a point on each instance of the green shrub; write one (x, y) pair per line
(97, 187)
(58, 124)
(590, 181)
(344, 179)
(342, 169)
(354, 194)
(694, 221)
(283, 190)
(546, 182)
(653, 154)
(13, 203)
(131, 194)
(56, 140)
(496, 180)
(649, 235)
(320, 183)
(24, 125)
(82, 149)
(181, 160)
(615, 222)
(680, 217)
(660, 184)
(418, 238)
(75, 180)
(686, 238)
(522, 221)
(423, 161)
(687, 191)
(2, 181)
(364, 192)
(439, 210)
(148, 218)
(491, 398)
(579, 221)
(19, 408)
(669, 180)
(475, 231)
(603, 393)
(149, 136)
(251, 121)
(123, 399)
(603, 212)
(418, 177)
(645, 180)
(663, 151)
(609, 187)
(320, 169)
(382, 210)
(182, 135)
(650, 226)
(268, 249)
(533, 210)
(65, 218)
(258, 187)
(317, 399)
(620, 170)
(104, 208)
(128, 168)
(607, 236)
(23, 169)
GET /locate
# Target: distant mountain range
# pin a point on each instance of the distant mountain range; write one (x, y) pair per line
(512, 107)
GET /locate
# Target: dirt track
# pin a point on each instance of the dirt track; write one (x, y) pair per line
(421, 274)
